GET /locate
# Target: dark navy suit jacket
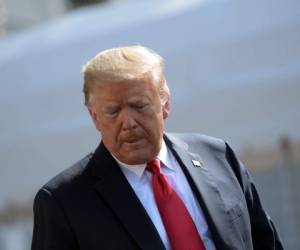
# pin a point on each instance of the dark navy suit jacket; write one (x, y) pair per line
(91, 205)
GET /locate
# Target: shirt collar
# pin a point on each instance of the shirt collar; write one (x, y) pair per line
(139, 169)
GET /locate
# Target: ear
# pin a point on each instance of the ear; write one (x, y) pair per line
(94, 117)
(166, 108)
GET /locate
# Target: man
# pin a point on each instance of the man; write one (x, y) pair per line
(143, 188)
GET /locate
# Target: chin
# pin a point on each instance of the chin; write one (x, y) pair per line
(136, 158)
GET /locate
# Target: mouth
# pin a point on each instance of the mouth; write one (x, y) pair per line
(132, 142)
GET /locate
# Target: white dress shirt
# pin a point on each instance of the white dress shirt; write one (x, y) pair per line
(140, 181)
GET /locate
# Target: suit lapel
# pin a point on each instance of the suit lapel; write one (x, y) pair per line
(205, 189)
(118, 194)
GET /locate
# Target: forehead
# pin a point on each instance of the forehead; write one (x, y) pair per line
(125, 89)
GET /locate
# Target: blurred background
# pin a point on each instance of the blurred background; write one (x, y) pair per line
(233, 68)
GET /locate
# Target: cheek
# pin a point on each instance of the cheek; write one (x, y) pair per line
(111, 134)
(156, 127)
(110, 142)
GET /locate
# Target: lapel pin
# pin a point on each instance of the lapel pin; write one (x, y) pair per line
(196, 163)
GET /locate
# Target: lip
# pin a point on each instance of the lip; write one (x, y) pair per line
(132, 142)
(131, 138)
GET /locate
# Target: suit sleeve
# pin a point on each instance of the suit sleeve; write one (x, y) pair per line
(51, 229)
(264, 234)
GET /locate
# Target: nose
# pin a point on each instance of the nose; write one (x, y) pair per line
(128, 121)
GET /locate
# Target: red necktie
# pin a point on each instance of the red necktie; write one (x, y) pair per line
(181, 230)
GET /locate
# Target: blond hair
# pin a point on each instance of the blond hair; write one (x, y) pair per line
(124, 64)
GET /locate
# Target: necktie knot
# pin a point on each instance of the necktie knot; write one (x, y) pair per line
(154, 166)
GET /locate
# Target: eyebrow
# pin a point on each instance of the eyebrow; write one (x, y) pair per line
(110, 107)
(140, 98)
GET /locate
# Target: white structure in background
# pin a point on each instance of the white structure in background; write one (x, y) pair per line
(233, 68)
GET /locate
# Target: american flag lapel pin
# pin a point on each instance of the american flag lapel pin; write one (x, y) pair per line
(196, 163)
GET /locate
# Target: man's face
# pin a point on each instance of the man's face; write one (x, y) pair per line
(130, 117)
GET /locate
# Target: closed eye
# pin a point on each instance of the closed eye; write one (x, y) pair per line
(112, 110)
(140, 106)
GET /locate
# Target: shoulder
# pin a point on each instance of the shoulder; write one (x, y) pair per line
(196, 141)
(208, 148)
(66, 181)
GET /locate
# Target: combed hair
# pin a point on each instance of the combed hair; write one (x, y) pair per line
(124, 64)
